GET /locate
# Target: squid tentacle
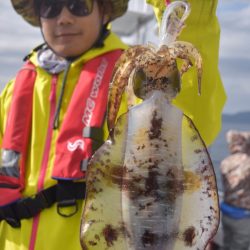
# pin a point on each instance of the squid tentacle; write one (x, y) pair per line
(186, 65)
(122, 71)
(186, 50)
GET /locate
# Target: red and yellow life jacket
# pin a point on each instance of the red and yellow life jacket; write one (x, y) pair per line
(80, 131)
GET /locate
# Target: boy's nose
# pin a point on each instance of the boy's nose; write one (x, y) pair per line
(65, 17)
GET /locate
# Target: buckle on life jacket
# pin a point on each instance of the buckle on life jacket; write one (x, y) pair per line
(66, 197)
(67, 203)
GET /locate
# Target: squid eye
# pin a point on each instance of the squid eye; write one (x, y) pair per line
(139, 83)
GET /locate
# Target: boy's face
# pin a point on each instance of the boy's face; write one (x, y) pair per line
(69, 35)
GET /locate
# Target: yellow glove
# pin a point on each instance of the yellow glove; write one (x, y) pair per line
(203, 31)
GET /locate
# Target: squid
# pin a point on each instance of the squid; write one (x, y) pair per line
(151, 185)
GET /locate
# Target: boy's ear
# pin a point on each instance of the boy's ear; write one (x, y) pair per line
(106, 18)
(106, 13)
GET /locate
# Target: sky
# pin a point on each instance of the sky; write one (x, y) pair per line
(17, 38)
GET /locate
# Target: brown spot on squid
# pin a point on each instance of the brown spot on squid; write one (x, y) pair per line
(110, 234)
(189, 236)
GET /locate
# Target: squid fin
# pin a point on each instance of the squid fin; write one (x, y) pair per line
(200, 209)
(102, 226)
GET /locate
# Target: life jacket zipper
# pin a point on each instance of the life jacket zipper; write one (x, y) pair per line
(58, 108)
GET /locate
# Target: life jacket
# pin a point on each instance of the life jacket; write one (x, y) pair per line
(79, 134)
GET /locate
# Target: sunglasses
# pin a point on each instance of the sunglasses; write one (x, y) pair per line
(53, 8)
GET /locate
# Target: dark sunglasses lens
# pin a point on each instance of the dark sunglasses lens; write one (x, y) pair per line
(50, 9)
(80, 7)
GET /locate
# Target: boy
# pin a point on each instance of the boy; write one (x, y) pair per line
(52, 120)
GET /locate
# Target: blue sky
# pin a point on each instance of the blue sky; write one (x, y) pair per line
(18, 38)
(235, 52)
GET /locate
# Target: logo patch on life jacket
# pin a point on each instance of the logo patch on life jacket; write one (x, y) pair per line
(90, 103)
(72, 146)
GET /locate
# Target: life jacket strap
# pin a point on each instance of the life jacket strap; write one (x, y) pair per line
(65, 193)
(95, 133)
(97, 136)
